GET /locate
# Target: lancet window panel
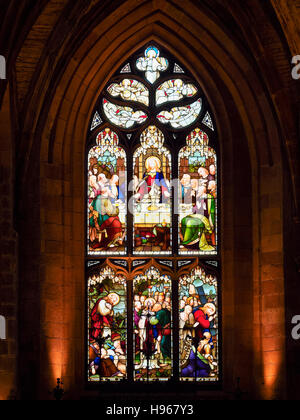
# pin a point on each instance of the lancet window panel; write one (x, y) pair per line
(198, 174)
(153, 326)
(199, 326)
(107, 326)
(152, 195)
(107, 196)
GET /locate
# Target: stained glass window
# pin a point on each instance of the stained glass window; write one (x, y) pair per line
(198, 196)
(152, 193)
(198, 329)
(107, 304)
(153, 326)
(152, 239)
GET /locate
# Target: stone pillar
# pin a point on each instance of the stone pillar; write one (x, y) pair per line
(8, 257)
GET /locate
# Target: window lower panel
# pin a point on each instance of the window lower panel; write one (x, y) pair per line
(154, 324)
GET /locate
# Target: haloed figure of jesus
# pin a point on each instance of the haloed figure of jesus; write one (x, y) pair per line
(153, 181)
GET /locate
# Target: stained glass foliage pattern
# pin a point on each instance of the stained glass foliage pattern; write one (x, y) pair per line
(208, 121)
(152, 195)
(107, 355)
(174, 90)
(181, 117)
(123, 116)
(130, 90)
(152, 326)
(96, 121)
(152, 64)
(198, 333)
(107, 196)
(178, 69)
(126, 69)
(198, 196)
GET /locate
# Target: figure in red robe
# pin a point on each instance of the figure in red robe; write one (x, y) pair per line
(202, 318)
(102, 317)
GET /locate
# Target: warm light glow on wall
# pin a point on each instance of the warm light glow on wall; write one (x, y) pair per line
(55, 360)
(272, 371)
(6, 387)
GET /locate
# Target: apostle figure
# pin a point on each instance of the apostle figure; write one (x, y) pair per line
(149, 344)
(204, 177)
(194, 228)
(102, 316)
(203, 317)
(102, 362)
(116, 193)
(186, 189)
(163, 317)
(119, 355)
(197, 365)
(105, 226)
(212, 173)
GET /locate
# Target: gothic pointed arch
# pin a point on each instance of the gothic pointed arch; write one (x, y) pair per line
(152, 181)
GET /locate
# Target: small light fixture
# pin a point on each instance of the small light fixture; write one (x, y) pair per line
(2, 328)
(58, 391)
(2, 67)
(238, 393)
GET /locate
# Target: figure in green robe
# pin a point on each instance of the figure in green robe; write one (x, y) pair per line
(195, 227)
(164, 319)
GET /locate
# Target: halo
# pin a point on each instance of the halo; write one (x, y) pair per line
(211, 306)
(152, 49)
(112, 295)
(157, 160)
(151, 300)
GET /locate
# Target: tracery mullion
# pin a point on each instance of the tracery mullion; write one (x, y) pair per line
(175, 200)
(183, 102)
(130, 200)
(175, 326)
(136, 106)
(130, 356)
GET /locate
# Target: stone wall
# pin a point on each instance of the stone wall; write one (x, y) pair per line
(240, 57)
(8, 257)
